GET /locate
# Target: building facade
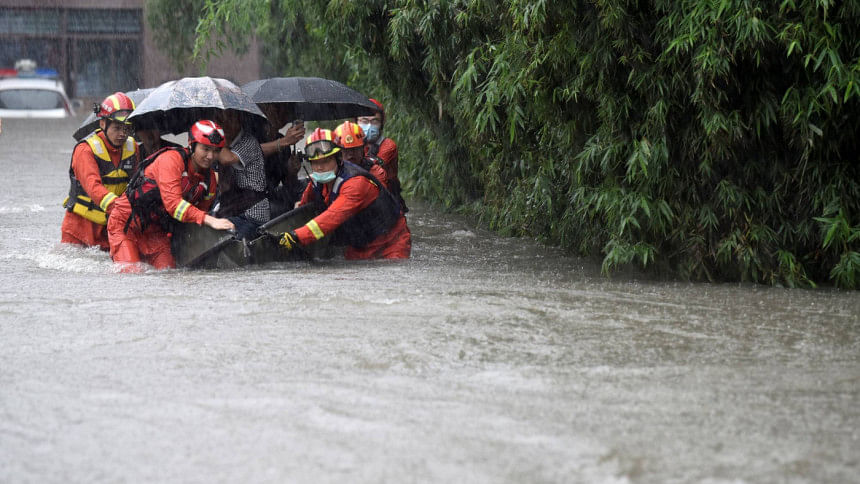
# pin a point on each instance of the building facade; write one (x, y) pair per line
(98, 47)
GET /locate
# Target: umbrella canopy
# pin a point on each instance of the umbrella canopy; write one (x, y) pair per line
(176, 105)
(91, 123)
(311, 98)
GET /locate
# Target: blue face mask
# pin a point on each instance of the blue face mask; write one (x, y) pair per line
(371, 132)
(323, 177)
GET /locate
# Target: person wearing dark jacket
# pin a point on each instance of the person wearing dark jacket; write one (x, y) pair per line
(282, 166)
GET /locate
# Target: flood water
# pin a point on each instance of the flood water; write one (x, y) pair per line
(482, 359)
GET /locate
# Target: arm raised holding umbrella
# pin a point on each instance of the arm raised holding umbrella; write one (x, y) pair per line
(282, 162)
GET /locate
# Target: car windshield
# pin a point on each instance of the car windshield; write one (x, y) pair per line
(30, 99)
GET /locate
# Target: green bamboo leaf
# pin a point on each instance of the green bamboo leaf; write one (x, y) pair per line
(643, 203)
(831, 233)
(785, 5)
(794, 44)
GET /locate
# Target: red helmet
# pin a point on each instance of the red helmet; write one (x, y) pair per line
(115, 107)
(381, 109)
(320, 144)
(206, 132)
(349, 135)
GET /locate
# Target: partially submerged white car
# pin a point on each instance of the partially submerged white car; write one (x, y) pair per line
(33, 97)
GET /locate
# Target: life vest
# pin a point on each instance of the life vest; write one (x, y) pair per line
(368, 224)
(145, 197)
(373, 158)
(114, 178)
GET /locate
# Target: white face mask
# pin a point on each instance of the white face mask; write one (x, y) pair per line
(323, 177)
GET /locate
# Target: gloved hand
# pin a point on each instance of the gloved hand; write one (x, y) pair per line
(289, 240)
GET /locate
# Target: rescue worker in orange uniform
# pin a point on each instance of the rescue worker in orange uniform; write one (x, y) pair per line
(381, 149)
(177, 185)
(101, 166)
(349, 137)
(360, 212)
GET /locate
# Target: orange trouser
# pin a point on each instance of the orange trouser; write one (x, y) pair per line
(80, 231)
(130, 248)
(129, 252)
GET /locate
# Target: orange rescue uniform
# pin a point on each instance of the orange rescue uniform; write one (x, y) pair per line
(379, 173)
(76, 229)
(355, 195)
(152, 245)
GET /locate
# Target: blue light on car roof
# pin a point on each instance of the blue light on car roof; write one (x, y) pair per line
(47, 72)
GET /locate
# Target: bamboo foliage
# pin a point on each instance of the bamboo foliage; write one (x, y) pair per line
(712, 139)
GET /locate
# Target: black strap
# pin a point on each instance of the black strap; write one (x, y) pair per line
(373, 150)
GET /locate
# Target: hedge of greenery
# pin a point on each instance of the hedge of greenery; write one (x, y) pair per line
(710, 139)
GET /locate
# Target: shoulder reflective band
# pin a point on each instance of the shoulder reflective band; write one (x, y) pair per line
(128, 148)
(98, 147)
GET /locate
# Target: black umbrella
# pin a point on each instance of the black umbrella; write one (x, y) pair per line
(311, 98)
(175, 105)
(91, 123)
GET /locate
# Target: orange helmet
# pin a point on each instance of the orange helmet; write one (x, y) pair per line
(115, 107)
(320, 144)
(349, 135)
(206, 132)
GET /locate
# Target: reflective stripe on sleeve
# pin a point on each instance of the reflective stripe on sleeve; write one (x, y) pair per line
(315, 229)
(107, 200)
(179, 213)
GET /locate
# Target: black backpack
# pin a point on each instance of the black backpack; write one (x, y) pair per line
(147, 206)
